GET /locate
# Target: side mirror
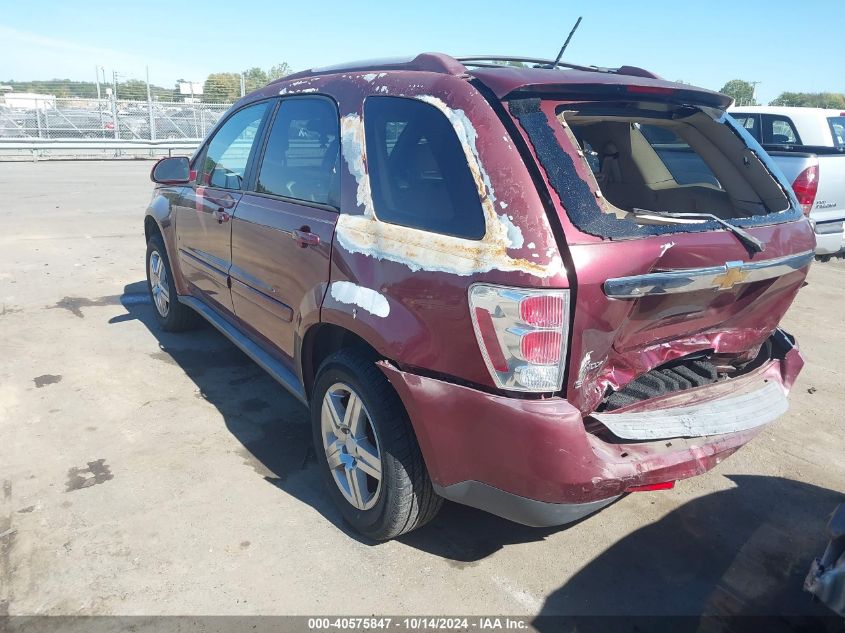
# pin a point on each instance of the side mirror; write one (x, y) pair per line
(175, 170)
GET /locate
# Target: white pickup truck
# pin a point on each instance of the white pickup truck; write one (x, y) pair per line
(808, 144)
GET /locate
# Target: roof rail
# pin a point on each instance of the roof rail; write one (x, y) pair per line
(441, 63)
(497, 61)
(430, 62)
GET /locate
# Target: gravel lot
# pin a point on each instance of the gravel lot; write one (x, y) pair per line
(149, 473)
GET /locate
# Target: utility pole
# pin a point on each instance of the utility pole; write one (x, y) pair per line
(150, 107)
(97, 70)
(754, 91)
(193, 107)
(114, 104)
(243, 85)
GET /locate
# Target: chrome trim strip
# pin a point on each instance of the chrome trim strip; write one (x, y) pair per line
(713, 417)
(268, 304)
(712, 278)
(217, 265)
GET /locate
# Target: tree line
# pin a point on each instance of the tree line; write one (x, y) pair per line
(218, 87)
(227, 87)
(743, 93)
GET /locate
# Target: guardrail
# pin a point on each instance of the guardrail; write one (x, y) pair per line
(112, 147)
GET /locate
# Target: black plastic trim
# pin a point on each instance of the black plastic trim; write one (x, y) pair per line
(282, 374)
(507, 505)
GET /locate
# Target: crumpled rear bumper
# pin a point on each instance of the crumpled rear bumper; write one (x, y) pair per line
(524, 459)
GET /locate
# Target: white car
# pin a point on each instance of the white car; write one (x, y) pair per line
(808, 144)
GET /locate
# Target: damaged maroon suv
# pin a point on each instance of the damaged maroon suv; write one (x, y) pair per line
(526, 289)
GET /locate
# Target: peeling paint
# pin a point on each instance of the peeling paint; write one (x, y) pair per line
(423, 250)
(587, 366)
(365, 298)
(665, 247)
(370, 76)
(515, 238)
(531, 245)
(353, 146)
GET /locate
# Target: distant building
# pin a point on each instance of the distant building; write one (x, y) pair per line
(191, 90)
(29, 100)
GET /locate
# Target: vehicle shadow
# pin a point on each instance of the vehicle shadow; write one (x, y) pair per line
(743, 550)
(733, 560)
(275, 433)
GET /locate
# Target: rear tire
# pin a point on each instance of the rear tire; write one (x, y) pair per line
(171, 314)
(392, 498)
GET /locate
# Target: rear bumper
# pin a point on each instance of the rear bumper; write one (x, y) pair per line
(534, 462)
(829, 237)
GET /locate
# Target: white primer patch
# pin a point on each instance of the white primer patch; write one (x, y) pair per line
(531, 245)
(353, 145)
(423, 250)
(665, 247)
(370, 76)
(365, 298)
(515, 238)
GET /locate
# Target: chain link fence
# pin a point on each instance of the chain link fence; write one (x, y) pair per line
(70, 119)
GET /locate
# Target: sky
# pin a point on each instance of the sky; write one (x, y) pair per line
(785, 45)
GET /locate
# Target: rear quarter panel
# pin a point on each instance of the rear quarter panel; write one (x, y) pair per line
(408, 288)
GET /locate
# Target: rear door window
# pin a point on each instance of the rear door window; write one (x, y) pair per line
(686, 166)
(837, 129)
(418, 171)
(750, 123)
(779, 130)
(303, 151)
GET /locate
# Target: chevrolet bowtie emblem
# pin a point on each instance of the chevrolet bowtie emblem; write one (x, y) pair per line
(734, 274)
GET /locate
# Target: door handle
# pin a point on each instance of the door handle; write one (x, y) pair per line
(304, 237)
(222, 216)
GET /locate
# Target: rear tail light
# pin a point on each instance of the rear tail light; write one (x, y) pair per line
(806, 186)
(522, 335)
(540, 347)
(649, 90)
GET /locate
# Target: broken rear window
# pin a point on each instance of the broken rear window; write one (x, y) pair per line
(651, 157)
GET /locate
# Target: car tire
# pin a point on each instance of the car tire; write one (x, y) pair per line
(403, 499)
(171, 314)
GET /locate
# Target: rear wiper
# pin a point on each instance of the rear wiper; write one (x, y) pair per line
(742, 235)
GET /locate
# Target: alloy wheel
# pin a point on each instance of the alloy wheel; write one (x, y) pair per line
(158, 284)
(352, 447)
